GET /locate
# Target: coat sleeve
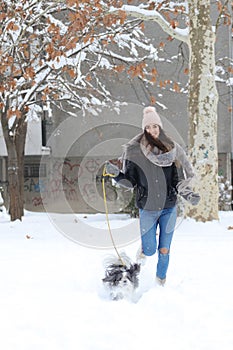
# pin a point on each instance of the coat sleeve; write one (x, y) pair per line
(127, 177)
(185, 163)
(186, 173)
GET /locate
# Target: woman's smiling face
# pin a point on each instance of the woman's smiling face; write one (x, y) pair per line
(153, 130)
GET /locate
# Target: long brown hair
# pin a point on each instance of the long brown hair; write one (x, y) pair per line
(163, 142)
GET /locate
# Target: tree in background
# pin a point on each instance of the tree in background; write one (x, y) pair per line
(190, 22)
(56, 53)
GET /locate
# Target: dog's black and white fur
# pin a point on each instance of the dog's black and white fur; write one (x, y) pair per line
(121, 277)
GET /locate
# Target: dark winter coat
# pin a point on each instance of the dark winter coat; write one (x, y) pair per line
(155, 176)
(155, 185)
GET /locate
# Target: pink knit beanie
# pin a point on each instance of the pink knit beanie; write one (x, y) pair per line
(150, 116)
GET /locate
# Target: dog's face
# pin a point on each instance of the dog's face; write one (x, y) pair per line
(121, 280)
(125, 279)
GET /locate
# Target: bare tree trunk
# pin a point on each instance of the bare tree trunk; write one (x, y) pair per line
(20, 140)
(15, 145)
(15, 209)
(203, 100)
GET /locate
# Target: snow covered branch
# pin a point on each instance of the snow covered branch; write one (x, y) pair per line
(153, 15)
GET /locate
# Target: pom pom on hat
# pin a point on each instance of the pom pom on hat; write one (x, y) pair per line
(150, 116)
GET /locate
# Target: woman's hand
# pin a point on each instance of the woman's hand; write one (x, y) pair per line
(191, 197)
(111, 169)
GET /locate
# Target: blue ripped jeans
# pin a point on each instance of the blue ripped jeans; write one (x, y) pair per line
(149, 221)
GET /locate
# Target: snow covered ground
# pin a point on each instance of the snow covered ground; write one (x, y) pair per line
(52, 297)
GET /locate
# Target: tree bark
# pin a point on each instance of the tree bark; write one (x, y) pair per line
(203, 100)
(15, 145)
(20, 141)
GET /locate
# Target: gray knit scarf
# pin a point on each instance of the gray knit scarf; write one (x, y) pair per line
(176, 154)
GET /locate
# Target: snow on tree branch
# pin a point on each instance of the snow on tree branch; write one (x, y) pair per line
(55, 51)
(153, 15)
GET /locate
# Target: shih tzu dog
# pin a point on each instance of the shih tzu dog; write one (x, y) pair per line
(121, 277)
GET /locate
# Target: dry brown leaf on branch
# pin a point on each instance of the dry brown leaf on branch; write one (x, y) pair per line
(119, 68)
(152, 100)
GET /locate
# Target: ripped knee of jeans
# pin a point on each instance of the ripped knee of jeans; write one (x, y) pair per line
(164, 251)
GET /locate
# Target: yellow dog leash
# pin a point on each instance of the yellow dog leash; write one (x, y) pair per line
(105, 174)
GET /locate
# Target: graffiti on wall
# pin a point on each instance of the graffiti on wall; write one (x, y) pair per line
(63, 178)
